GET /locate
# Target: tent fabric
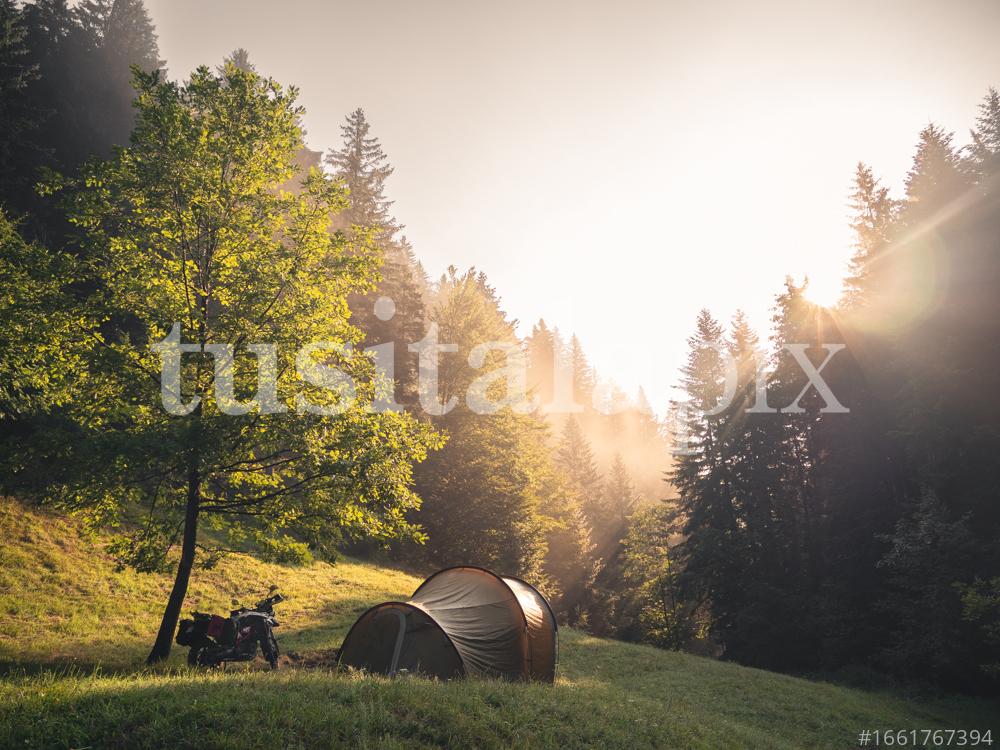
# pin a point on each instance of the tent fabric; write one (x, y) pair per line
(461, 621)
(542, 629)
(373, 641)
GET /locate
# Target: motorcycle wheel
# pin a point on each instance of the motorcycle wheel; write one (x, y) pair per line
(271, 651)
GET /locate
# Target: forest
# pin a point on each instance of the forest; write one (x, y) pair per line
(821, 497)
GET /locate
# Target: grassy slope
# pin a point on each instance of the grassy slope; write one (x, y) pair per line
(63, 604)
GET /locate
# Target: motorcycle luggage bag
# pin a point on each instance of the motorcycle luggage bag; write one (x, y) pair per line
(185, 633)
(216, 627)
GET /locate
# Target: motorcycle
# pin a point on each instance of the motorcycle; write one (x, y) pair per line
(215, 640)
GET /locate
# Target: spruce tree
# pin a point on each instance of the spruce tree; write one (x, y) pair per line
(874, 212)
(363, 167)
(711, 554)
(576, 459)
(17, 117)
(584, 379)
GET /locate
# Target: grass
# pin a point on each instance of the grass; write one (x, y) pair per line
(73, 632)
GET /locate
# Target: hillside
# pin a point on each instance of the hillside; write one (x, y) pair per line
(73, 633)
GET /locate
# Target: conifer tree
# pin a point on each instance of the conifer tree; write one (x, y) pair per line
(542, 347)
(363, 167)
(985, 148)
(711, 554)
(620, 498)
(576, 459)
(17, 117)
(584, 380)
(874, 212)
(936, 176)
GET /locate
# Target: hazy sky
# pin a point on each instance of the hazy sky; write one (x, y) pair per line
(614, 167)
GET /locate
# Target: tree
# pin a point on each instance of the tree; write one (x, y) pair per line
(40, 329)
(931, 552)
(874, 212)
(711, 555)
(484, 492)
(241, 59)
(192, 243)
(936, 176)
(985, 148)
(583, 375)
(17, 116)
(576, 460)
(364, 167)
(542, 347)
(394, 311)
(620, 498)
(651, 574)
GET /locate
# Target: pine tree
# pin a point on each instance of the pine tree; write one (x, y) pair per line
(569, 558)
(985, 148)
(874, 212)
(584, 379)
(17, 117)
(711, 555)
(363, 167)
(615, 611)
(576, 459)
(83, 92)
(541, 351)
(620, 497)
(241, 59)
(936, 176)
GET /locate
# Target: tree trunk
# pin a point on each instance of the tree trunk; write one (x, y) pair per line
(165, 637)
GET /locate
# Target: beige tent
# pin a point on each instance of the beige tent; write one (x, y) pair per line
(460, 621)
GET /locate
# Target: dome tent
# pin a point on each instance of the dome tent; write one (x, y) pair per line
(462, 621)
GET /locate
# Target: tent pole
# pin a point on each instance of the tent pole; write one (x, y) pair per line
(399, 644)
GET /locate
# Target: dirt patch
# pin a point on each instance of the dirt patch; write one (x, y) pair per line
(321, 659)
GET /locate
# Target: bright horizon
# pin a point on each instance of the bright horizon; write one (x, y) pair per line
(567, 147)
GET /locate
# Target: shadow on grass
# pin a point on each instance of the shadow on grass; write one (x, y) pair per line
(325, 631)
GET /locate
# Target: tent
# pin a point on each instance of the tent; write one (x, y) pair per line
(462, 621)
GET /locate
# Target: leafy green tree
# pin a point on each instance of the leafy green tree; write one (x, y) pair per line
(193, 246)
(665, 619)
(41, 329)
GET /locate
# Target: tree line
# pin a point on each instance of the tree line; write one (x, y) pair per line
(813, 540)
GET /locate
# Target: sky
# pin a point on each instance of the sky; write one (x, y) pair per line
(615, 167)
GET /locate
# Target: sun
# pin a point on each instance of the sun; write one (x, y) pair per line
(823, 291)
